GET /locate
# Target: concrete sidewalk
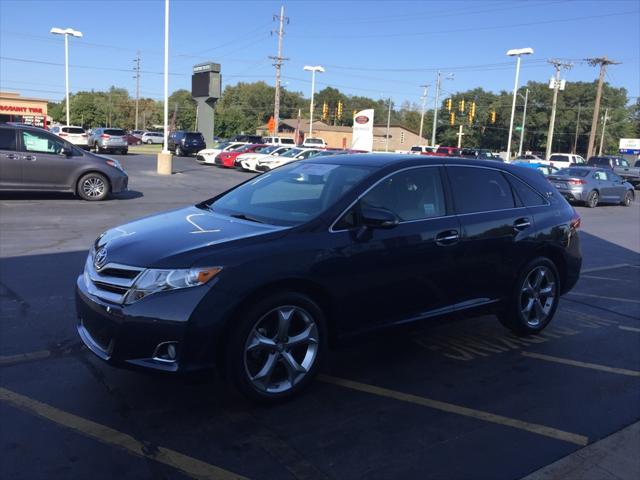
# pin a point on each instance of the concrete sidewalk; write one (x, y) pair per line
(616, 457)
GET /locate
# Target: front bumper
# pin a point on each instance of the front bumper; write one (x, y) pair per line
(128, 335)
(119, 183)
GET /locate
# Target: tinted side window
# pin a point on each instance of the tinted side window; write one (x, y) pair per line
(413, 194)
(7, 139)
(38, 142)
(479, 190)
(527, 195)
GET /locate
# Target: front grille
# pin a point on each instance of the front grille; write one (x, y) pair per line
(112, 282)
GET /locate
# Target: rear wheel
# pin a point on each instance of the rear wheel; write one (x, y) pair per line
(178, 151)
(275, 348)
(93, 187)
(96, 147)
(149, 142)
(534, 300)
(592, 199)
(628, 198)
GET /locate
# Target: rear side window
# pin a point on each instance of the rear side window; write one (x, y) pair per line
(72, 130)
(479, 190)
(287, 141)
(7, 139)
(558, 158)
(527, 195)
(115, 132)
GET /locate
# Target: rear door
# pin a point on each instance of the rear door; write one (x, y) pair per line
(44, 164)
(495, 233)
(618, 189)
(10, 159)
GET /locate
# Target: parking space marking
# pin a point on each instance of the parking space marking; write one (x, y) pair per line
(616, 299)
(593, 277)
(629, 329)
(576, 363)
(610, 267)
(8, 360)
(459, 410)
(191, 466)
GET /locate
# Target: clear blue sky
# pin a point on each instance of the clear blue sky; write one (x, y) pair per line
(373, 48)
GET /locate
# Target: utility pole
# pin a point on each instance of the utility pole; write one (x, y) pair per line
(460, 134)
(604, 126)
(424, 101)
(603, 62)
(557, 85)
(436, 105)
(386, 146)
(137, 77)
(524, 120)
(278, 64)
(575, 141)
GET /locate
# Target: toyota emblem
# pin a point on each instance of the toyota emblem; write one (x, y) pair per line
(100, 258)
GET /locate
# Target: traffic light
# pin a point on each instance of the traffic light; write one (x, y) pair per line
(493, 116)
(325, 111)
(452, 118)
(448, 103)
(461, 106)
(339, 109)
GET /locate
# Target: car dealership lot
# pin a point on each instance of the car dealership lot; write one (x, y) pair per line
(460, 398)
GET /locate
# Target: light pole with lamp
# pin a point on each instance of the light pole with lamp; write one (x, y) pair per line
(66, 32)
(313, 71)
(164, 166)
(516, 52)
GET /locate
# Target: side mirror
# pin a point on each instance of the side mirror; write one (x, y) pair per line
(373, 217)
(66, 151)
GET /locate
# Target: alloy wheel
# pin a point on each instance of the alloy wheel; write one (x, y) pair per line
(281, 349)
(93, 187)
(538, 296)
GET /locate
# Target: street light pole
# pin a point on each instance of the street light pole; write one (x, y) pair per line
(436, 105)
(518, 52)
(66, 32)
(386, 146)
(164, 157)
(313, 71)
(604, 126)
(424, 102)
(524, 119)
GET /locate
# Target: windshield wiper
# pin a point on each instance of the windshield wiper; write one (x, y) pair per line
(242, 216)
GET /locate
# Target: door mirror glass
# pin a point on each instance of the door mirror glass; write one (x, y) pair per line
(375, 217)
(66, 151)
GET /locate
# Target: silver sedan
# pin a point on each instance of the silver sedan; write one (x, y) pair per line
(592, 186)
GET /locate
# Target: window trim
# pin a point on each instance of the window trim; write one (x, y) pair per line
(371, 187)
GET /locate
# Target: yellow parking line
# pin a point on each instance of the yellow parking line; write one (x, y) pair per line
(23, 357)
(617, 299)
(459, 410)
(630, 329)
(189, 465)
(576, 363)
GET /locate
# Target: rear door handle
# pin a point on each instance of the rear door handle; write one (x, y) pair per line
(448, 237)
(30, 158)
(12, 156)
(521, 224)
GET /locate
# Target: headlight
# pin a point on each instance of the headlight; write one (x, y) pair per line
(153, 281)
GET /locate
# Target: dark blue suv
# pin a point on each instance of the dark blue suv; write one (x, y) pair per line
(185, 143)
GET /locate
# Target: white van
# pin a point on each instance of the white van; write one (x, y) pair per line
(279, 141)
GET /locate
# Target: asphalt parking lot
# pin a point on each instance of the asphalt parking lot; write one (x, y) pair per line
(454, 399)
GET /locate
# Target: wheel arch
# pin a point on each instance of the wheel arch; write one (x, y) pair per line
(559, 261)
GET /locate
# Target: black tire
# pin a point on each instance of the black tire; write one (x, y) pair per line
(592, 199)
(88, 187)
(125, 151)
(513, 315)
(628, 198)
(149, 142)
(240, 359)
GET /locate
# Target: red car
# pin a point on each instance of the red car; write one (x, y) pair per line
(444, 152)
(227, 159)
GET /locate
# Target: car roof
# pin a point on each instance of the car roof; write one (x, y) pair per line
(382, 160)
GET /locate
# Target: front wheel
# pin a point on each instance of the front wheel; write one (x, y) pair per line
(628, 198)
(178, 151)
(93, 187)
(592, 199)
(275, 348)
(534, 300)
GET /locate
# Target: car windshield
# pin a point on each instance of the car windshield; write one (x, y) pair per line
(114, 131)
(292, 194)
(194, 136)
(292, 153)
(72, 130)
(559, 158)
(574, 172)
(269, 149)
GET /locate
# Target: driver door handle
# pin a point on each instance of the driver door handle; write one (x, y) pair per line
(11, 156)
(521, 224)
(448, 237)
(30, 158)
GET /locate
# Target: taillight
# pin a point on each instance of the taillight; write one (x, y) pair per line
(576, 182)
(575, 220)
(104, 135)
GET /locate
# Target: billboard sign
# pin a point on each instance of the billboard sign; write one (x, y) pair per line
(630, 146)
(363, 131)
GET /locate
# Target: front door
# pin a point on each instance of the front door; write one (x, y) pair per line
(44, 164)
(10, 159)
(405, 272)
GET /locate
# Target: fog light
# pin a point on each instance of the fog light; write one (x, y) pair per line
(166, 352)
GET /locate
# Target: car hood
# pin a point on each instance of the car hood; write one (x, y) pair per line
(209, 151)
(177, 239)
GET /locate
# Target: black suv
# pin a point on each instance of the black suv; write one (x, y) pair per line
(185, 143)
(32, 159)
(261, 278)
